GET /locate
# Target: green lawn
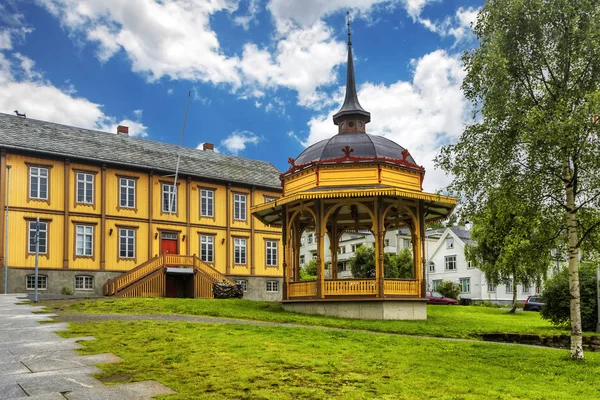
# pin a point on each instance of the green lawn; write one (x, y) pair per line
(442, 321)
(217, 361)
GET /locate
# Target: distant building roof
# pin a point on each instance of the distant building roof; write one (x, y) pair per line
(463, 233)
(67, 141)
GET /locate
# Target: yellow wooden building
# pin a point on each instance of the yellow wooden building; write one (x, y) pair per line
(108, 205)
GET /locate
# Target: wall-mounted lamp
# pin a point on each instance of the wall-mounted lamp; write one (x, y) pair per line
(110, 232)
(156, 235)
(183, 238)
(222, 240)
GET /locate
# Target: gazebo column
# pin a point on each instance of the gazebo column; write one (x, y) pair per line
(286, 254)
(379, 244)
(333, 247)
(320, 233)
(422, 243)
(297, 244)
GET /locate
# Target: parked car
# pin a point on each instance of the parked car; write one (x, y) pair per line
(437, 298)
(533, 303)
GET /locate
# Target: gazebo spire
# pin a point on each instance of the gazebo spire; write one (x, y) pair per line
(351, 117)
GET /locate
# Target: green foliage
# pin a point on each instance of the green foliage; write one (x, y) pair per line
(556, 295)
(362, 264)
(449, 289)
(309, 271)
(67, 291)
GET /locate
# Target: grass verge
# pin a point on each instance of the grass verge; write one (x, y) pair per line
(216, 361)
(442, 321)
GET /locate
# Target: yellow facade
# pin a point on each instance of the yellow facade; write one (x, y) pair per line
(103, 213)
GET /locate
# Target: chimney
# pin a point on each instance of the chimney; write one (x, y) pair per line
(208, 146)
(122, 130)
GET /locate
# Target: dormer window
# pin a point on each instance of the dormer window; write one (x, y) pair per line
(351, 124)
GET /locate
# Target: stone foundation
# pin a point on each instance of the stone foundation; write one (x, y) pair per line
(397, 309)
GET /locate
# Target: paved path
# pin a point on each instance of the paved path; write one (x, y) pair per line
(36, 363)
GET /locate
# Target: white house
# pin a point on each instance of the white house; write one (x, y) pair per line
(446, 262)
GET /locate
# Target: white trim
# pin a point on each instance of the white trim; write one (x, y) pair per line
(82, 177)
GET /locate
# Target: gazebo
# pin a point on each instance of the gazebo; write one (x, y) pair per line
(354, 181)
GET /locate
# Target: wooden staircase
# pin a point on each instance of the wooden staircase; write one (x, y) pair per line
(149, 279)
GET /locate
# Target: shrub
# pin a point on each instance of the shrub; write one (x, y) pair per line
(309, 271)
(449, 289)
(556, 295)
(66, 291)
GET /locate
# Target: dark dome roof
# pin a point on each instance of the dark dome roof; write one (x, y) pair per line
(364, 145)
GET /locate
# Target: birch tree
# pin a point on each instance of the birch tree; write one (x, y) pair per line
(534, 84)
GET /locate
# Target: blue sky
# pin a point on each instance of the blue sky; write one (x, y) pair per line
(266, 76)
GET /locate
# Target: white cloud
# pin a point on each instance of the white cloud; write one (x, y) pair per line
(171, 38)
(420, 115)
(238, 140)
(458, 26)
(245, 20)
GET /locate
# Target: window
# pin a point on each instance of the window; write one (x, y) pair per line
(509, 286)
(405, 243)
(127, 192)
(207, 248)
(169, 198)
(42, 282)
(126, 243)
(526, 288)
(355, 246)
(450, 243)
(84, 240)
(271, 253)
(43, 237)
(239, 248)
(436, 283)
(491, 287)
(243, 283)
(84, 282)
(207, 199)
(450, 263)
(302, 259)
(342, 250)
(269, 199)
(469, 265)
(465, 285)
(272, 286)
(38, 183)
(342, 267)
(386, 242)
(314, 256)
(431, 266)
(309, 239)
(85, 188)
(239, 206)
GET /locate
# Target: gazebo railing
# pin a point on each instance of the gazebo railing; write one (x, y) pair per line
(355, 287)
(402, 286)
(302, 289)
(350, 287)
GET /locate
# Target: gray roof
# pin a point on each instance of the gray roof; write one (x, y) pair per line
(463, 233)
(363, 144)
(76, 143)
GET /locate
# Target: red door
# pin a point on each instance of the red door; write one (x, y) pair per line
(168, 243)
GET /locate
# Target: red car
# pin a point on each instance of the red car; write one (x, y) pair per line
(437, 298)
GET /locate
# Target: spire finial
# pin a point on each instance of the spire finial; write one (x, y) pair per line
(349, 33)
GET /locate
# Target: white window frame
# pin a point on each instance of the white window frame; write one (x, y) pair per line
(491, 288)
(269, 199)
(127, 238)
(128, 185)
(462, 282)
(526, 289)
(207, 248)
(83, 233)
(309, 238)
(87, 190)
(450, 260)
(386, 242)
(42, 282)
(272, 286)
(207, 203)
(239, 206)
(354, 247)
(239, 251)
(31, 237)
(169, 198)
(405, 243)
(35, 173)
(84, 282)
(509, 285)
(435, 283)
(449, 242)
(243, 283)
(271, 253)
(431, 266)
(302, 259)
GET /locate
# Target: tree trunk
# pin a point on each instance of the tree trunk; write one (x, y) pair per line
(514, 299)
(573, 253)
